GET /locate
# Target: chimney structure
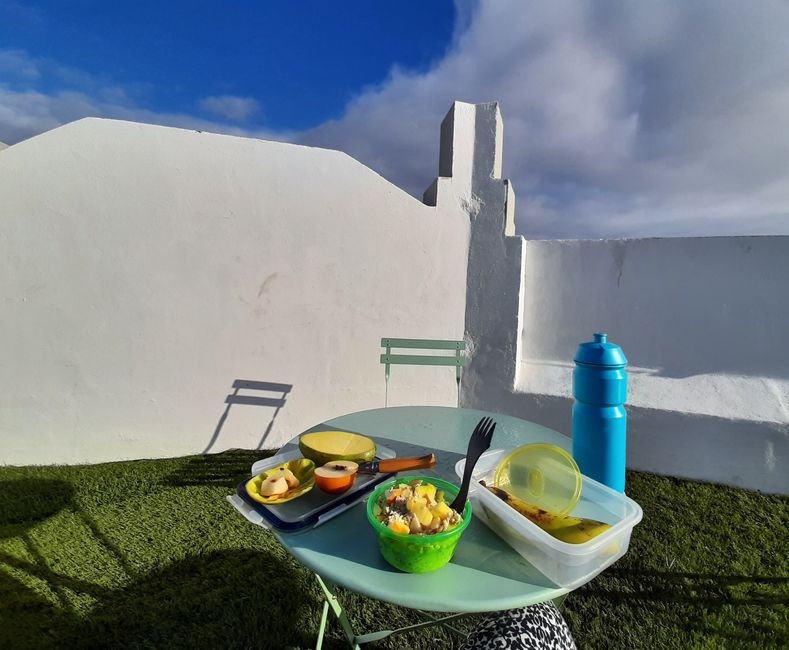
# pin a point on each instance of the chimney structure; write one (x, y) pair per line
(470, 179)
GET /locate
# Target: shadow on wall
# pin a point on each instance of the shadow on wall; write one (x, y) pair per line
(680, 306)
(277, 403)
(658, 439)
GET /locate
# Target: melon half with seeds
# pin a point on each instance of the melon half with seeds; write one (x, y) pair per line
(325, 446)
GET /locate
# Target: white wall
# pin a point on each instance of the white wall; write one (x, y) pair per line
(704, 323)
(143, 269)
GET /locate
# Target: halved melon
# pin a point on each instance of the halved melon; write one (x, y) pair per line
(325, 446)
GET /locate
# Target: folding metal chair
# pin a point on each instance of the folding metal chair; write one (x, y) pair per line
(458, 360)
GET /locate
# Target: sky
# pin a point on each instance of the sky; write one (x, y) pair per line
(621, 118)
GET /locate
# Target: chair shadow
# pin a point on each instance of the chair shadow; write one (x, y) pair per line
(226, 469)
(252, 400)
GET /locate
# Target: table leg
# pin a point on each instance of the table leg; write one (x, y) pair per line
(559, 600)
(377, 636)
(443, 622)
(331, 601)
(322, 629)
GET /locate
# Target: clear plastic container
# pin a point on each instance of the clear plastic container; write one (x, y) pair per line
(566, 565)
(544, 475)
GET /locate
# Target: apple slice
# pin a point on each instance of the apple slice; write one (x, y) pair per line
(290, 477)
(273, 485)
(336, 476)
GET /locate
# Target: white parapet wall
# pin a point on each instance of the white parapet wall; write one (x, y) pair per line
(167, 291)
(704, 323)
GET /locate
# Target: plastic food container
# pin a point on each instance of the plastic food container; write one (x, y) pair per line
(566, 565)
(417, 553)
(544, 475)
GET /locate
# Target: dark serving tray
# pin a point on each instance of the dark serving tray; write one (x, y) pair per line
(315, 507)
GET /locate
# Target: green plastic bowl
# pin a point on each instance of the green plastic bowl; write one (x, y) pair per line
(418, 553)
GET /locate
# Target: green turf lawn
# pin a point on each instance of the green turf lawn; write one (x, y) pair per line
(148, 554)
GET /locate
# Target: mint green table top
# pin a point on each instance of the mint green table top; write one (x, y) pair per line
(485, 574)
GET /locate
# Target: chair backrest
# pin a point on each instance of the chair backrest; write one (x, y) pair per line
(458, 360)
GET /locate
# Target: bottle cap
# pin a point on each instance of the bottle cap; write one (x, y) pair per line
(600, 353)
(543, 475)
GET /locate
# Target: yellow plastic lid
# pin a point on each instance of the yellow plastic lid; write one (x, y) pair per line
(541, 474)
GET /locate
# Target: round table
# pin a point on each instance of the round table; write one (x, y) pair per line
(484, 575)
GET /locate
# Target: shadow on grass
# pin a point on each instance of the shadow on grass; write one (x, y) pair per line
(27, 620)
(688, 602)
(222, 599)
(222, 470)
(707, 590)
(218, 599)
(25, 503)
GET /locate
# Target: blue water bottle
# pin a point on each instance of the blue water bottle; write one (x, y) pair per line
(599, 417)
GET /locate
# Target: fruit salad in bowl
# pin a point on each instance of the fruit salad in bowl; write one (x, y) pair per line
(417, 530)
(415, 508)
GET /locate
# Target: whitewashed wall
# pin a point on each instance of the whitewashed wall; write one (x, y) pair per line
(145, 269)
(704, 323)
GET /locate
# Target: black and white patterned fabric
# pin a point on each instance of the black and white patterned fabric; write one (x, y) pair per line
(536, 627)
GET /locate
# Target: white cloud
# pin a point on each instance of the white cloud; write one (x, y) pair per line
(24, 114)
(621, 119)
(25, 110)
(17, 64)
(238, 109)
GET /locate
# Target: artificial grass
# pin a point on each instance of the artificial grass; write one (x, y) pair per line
(147, 554)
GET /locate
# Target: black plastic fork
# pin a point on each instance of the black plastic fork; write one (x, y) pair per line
(478, 443)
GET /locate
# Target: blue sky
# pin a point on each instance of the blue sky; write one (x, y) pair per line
(622, 119)
(297, 63)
